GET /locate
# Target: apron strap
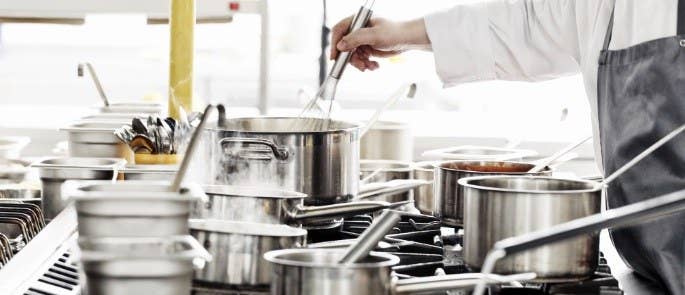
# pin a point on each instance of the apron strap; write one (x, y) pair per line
(607, 37)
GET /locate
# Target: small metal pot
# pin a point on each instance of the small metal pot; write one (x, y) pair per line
(132, 208)
(54, 172)
(264, 152)
(123, 266)
(448, 195)
(13, 170)
(423, 195)
(374, 144)
(11, 146)
(150, 172)
(273, 206)
(318, 271)
(499, 207)
(387, 170)
(96, 139)
(238, 249)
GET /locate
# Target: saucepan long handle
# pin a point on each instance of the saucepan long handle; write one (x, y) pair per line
(623, 216)
(464, 281)
(338, 210)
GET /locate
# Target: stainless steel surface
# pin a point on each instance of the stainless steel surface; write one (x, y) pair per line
(541, 164)
(96, 139)
(190, 151)
(132, 107)
(375, 143)
(389, 170)
(323, 165)
(129, 208)
(96, 80)
(482, 153)
(448, 195)
(499, 207)
(423, 195)
(317, 271)
(272, 206)
(149, 172)
(407, 91)
(54, 172)
(368, 240)
(115, 266)
(238, 249)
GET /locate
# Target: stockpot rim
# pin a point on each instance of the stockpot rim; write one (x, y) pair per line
(189, 192)
(426, 166)
(466, 183)
(406, 165)
(440, 165)
(255, 229)
(273, 257)
(251, 192)
(353, 129)
(99, 164)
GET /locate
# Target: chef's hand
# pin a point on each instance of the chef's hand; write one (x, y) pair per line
(380, 38)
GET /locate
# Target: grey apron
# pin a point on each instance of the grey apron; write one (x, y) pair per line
(641, 98)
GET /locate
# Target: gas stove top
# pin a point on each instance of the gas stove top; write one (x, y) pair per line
(426, 248)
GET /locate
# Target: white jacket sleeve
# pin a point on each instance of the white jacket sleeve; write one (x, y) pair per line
(526, 40)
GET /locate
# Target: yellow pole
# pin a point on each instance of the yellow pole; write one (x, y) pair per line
(181, 23)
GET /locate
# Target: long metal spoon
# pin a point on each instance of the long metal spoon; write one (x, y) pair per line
(371, 236)
(540, 165)
(94, 76)
(194, 140)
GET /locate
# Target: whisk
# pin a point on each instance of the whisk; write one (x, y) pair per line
(315, 117)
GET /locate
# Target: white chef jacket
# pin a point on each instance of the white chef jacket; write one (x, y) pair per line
(533, 40)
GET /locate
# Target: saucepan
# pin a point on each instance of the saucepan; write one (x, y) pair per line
(499, 207)
(448, 195)
(273, 206)
(238, 247)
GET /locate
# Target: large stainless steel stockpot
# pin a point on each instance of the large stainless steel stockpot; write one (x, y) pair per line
(124, 266)
(388, 141)
(272, 206)
(423, 195)
(387, 170)
(318, 271)
(54, 172)
(132, 208)
(448, 195)
(499, 207)
(238, 249)
(265, 152)
(96, 139)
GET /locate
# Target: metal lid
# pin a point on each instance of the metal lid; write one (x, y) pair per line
(250, 191)
(327, 258)
(531, 184)
(246, 228)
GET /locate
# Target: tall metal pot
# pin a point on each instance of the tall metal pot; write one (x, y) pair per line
(265, 152)
(499, 207)
(448, 195)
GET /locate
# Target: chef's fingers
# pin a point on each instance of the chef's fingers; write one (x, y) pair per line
(363, 36)
(357, 62)
(337, 33)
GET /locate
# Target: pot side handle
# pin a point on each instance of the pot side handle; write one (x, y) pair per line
(280, 153)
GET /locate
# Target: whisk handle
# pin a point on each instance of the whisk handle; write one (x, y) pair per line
(359, 21)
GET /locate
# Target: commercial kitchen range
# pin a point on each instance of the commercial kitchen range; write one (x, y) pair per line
(426, 246)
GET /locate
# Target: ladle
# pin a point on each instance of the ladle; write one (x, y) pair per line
(371, 236)
(408, 91)
(94, 76)
(194, 140)
(540, 165)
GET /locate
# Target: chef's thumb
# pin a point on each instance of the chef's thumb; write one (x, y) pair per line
(363, 36)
